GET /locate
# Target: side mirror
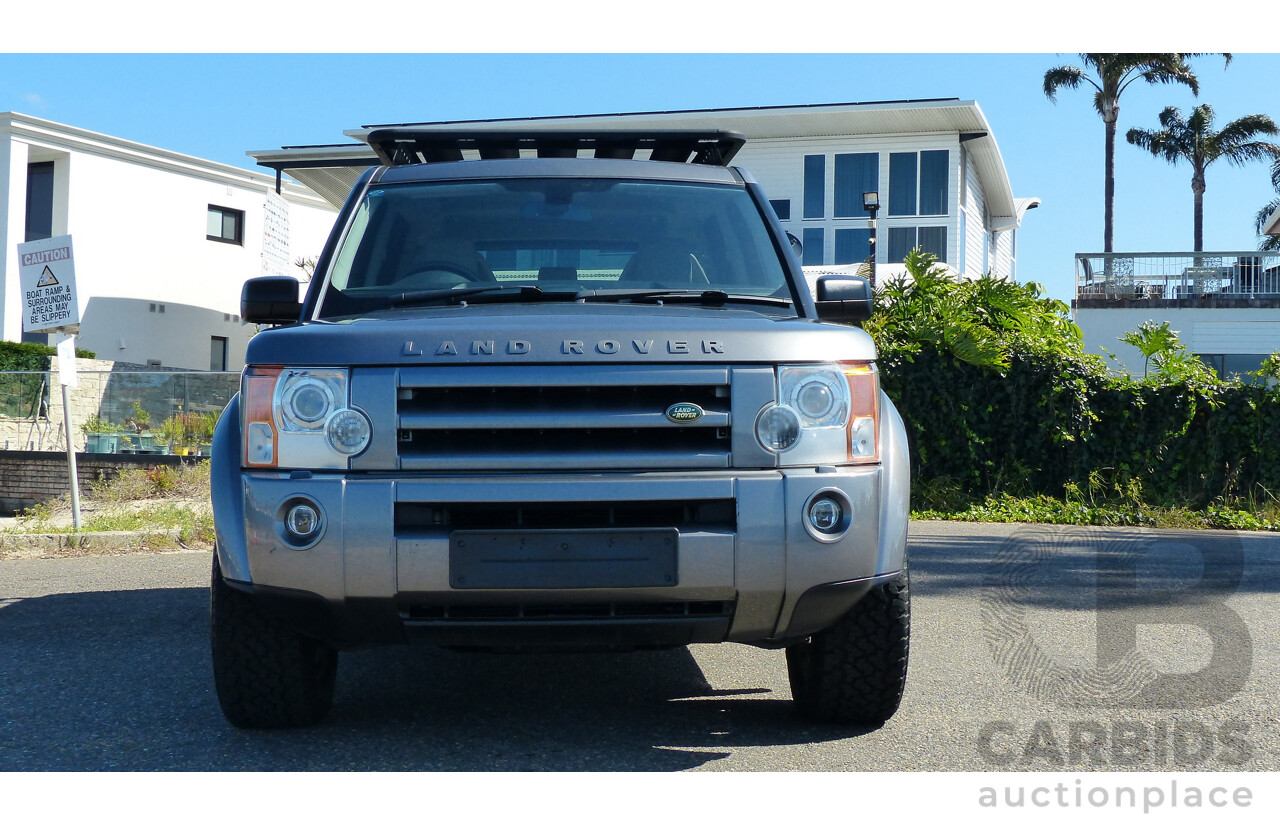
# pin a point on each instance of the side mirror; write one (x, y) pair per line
(843, 298)
(796, 246)
(272, 300)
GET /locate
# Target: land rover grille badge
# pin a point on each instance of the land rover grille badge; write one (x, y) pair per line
(684, 413)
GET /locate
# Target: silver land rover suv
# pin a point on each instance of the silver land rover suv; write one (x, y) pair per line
(571, 394)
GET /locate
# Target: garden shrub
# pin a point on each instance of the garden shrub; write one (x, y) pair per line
(998, 397)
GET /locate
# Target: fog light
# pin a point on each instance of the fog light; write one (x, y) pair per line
(778, 429)
(826, 515)
(303, 522)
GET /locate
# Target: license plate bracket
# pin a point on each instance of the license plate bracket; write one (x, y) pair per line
(563, 559)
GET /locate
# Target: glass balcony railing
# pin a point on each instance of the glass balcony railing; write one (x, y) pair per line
(1178, 275)
(119, 411)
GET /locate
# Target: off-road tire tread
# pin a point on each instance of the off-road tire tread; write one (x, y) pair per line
(266, 675)
(855, 671)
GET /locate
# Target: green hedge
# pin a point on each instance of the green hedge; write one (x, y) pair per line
(998, 396)
(1047, 421)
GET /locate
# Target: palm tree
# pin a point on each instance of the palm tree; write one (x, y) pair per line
(1270, 242)
(1193, 140)
(1115, 73)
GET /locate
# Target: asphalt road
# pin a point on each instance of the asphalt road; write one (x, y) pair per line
(1032, 649)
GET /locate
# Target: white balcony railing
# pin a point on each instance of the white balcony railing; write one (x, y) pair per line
(1164, 275)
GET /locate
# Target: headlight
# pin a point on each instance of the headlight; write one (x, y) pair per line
(778, 429)
(826, 414)
(306, 398)
(348, 431)
(300, 418)
(819, 394)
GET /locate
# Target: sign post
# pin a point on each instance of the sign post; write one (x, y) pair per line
(47, 274)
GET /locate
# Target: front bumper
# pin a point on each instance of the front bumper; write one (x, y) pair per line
(382, 573)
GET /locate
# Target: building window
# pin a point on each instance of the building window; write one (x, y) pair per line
(782, 208)
(902, 183)
(919, 182)
(1233, 366)
(934, 181)
(964, 241)
(815, 185)
(218, 353)
(855, 174)
(813, 240)
(226, 225)
(903, 239)
(933, 240)
(39, 201)
(852, 245)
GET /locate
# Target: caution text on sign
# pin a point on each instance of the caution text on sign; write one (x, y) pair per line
(46, 269)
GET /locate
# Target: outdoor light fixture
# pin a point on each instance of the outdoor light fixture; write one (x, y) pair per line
(871, 203)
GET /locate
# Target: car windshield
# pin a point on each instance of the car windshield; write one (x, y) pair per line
(562, 235)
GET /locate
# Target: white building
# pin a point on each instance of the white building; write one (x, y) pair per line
(934, 164)
(1224, 305)
(163, 242)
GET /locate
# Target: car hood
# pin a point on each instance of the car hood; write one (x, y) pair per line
(560, 333)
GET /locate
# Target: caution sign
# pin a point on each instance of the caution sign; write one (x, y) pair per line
(47, 273)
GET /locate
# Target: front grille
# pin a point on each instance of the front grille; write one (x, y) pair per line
(578, 418)
(688, 516)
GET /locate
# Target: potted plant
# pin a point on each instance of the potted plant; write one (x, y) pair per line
(99, 435)
(174, 434)
(139, 423)
(203, 431)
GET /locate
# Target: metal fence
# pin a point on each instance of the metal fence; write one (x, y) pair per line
(1249, 274)
(132, 406)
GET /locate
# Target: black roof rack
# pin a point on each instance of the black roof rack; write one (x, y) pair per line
(405, 144)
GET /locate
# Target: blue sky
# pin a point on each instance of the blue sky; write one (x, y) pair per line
(218, 106)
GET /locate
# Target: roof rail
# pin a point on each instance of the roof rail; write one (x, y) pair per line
(405, 144)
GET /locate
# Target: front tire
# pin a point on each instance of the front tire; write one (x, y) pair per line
(855, 671)
(267, 676)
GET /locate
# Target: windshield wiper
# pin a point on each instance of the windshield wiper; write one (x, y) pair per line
(491, 292)
(495, 293)
(709, 297)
